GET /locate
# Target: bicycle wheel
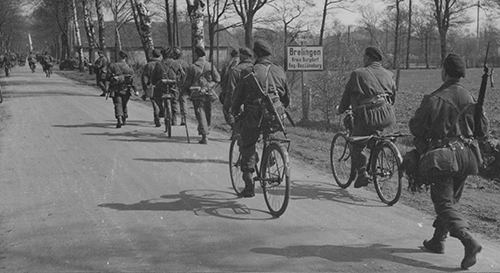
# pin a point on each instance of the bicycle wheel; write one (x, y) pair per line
(168, 117)
(340, 160)
(276, 178)
(235, 167)
(386, 172)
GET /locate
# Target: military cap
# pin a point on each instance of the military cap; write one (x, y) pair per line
(176, 52)
(122, 54)
(454, 66)
(156, 53)
(246, 51)
(374, 53)
(200, 51)
(261, 48)
(234, 52)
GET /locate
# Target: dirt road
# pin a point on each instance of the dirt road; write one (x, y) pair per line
(78, 194)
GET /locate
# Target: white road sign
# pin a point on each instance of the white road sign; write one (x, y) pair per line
(304, 58)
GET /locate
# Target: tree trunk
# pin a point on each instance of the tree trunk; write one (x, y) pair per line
(427, 51)
(175, 24)
(196, 12)
(248, 31)
(118, 42)
(396, 38)
(77, 36)
(443, 44)
(169, 24)
(143, 22)
(322, 31)
(211, 39)
(409, 35)
(89, 29)
(100, 22)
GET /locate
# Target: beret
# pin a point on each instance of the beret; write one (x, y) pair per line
(246, 51)
(454, 66)
(156, 53)
(122, 54)
(234, 52)
(374, 53)
(200, 51)
(261, 48)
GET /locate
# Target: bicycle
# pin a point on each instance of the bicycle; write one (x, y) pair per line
(273, 172)
(167, 96)
(384, 161)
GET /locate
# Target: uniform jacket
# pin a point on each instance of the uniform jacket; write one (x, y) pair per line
(101, 64)
(166, 69)
(365, 83)
(226, 72)
(194, 72)
(118, 69)
(147, 72)
(436, 129)
(244, 94)
(235, 74)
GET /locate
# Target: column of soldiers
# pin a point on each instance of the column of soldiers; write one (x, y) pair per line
(369, 92)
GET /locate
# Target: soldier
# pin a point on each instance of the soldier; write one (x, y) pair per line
(440, 141)
(32, 61)
(225, 86)
(251, 99)
(177, 54)
(47, 63)
(234, 77)
(171, 70)
(100, 67)
(147, 84)
(119, 85)
(370, 92)
(199, 72)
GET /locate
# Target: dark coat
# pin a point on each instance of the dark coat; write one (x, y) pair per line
(146, 75)
(166, 69)
(120, 68)
(194, 72)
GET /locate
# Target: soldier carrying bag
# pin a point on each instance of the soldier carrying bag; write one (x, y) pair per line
(204, 87)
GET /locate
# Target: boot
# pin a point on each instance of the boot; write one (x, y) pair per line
(124, 121)
(363, 178)
(119, 122)
(436, 243)
(157, 122)
(249, 190)
(471, 246)
(204, 139)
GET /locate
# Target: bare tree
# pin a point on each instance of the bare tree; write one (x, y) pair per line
(397, 7)
(78, 37)
(89, 30)
(99, 6)
(215, 11)
(408, 40)
(142, 20)
(448, 13)
(246, 10)
(196, 12)
(10, 14)
(329, 5)
(122, 14)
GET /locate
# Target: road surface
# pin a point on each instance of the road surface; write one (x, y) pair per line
(77, 195)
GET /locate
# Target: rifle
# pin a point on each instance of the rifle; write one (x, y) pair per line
(269, 101)
(478, 130)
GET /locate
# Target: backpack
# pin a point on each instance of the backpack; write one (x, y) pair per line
(204, 87)
(170, 78)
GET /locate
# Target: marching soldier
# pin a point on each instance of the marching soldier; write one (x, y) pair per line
(171, 70)
(441, 140)
(252, 116)
(234, 77)
(199, 72)
(226, 86)
(370, 92)
(119, 85)
(100, 66)
(177, 54)
(147, 85)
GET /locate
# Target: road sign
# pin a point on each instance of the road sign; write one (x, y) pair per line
(304, 58)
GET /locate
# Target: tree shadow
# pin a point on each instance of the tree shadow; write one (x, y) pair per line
(43, 93)
(200, 202)
(107, 124)
(184, 160)
(324, 191)
(353, 254)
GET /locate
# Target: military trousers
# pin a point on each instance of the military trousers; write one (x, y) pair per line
(100, 80)
(359, 156)
(183, 97)
(226, 108)
(203, 113)
(445, 194)
(249, 135)
(120, 102)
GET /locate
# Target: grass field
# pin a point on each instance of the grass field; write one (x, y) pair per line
(480, 203)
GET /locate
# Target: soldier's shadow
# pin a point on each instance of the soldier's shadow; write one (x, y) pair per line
(200, 202)
(352, 254)
(184, 160)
